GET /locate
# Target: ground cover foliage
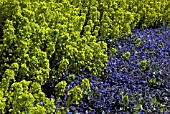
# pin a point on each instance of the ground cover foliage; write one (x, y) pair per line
(84, 56)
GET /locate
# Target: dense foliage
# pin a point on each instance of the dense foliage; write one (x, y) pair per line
(137, 84)
(89, 56)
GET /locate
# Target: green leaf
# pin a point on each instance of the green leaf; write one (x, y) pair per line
(138, 41)
(154, 100)
(126, 55)
(154, 80)
(138, 108)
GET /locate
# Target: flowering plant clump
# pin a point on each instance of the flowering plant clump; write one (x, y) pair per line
(139, 84)
(41, 41)
(84, 56)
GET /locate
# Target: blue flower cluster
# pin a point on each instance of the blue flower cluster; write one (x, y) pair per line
(139, 83)
(146, 90)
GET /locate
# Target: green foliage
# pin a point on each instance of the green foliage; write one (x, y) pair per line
(153, 82)
(124, 100)
(21, 98)
(113, 50)
(154, 100)
(85, 83)
(60, 89)
(143, 64)
(71, 77)
(148, 12)
(138, 41)
(126, 55)
(138, 107)
(39, 35)
(74, 95)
